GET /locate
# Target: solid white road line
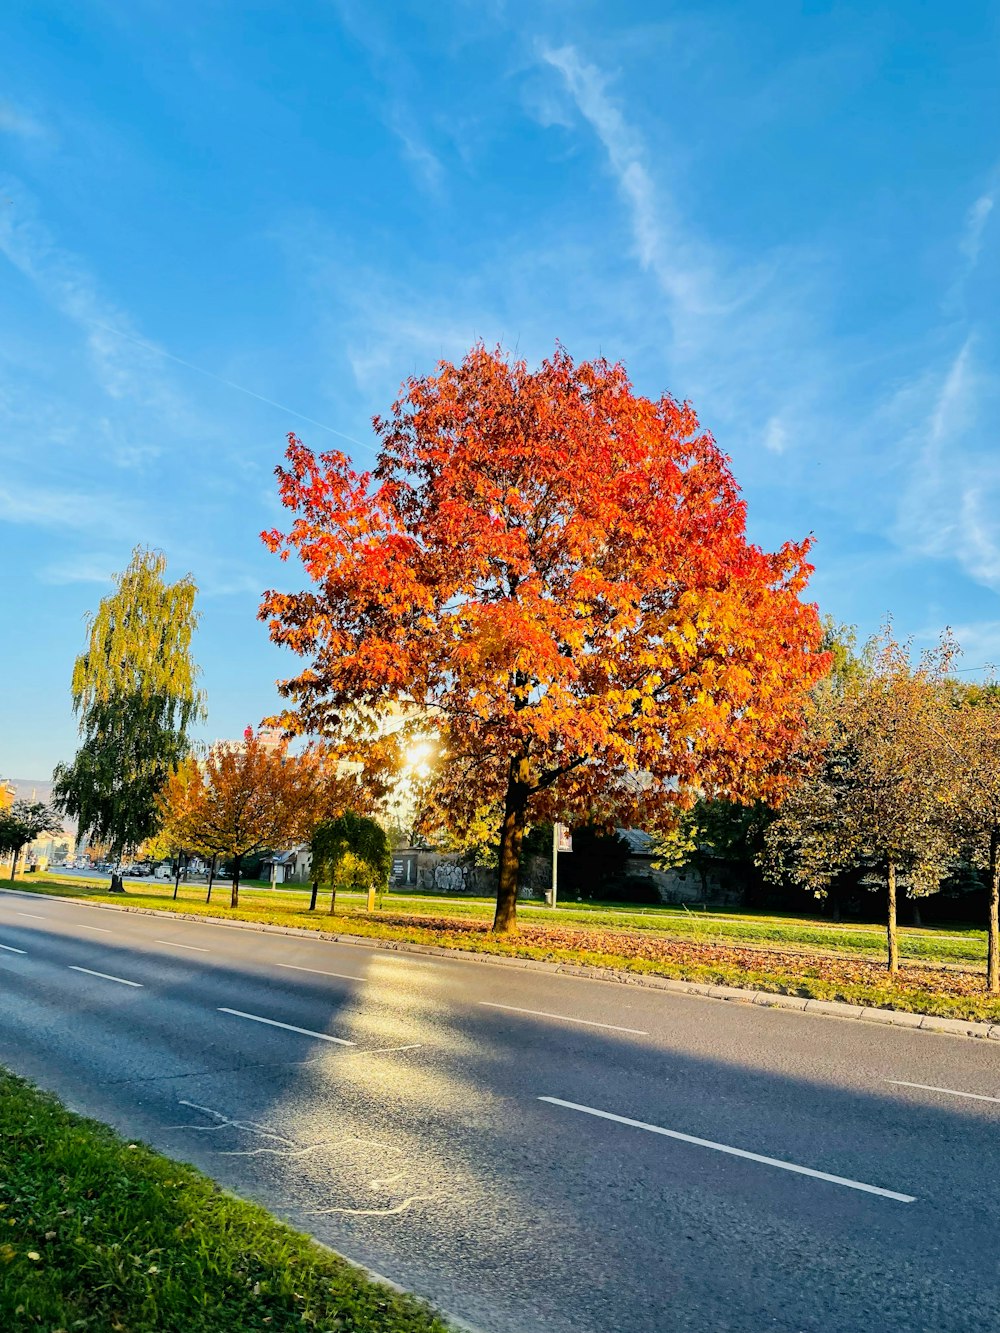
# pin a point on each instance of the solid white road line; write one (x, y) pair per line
(105, 975)
(951, 1092)
(9, 948)
(35, 917)
(319, 971)
(733, 1152)
(288, 1027)
(195, 948)
(563, 1018)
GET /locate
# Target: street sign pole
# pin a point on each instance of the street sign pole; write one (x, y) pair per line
(555, 865)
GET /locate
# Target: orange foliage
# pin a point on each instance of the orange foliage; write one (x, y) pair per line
(552, 574)
(251, 797)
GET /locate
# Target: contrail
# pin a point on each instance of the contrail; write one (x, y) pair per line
(230, 384)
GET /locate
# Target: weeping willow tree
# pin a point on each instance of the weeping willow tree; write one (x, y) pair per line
(135, 695)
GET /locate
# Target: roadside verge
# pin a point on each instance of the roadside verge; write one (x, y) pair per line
(102, 1232)
(734, 994)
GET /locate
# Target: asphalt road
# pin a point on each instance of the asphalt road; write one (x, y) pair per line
(532, 1151)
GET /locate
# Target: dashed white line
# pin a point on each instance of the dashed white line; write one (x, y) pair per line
(105, 976)
(288, 1027)
(732, 1152)
(101, 929)
(951, 1092)
(9, 948)
(195, 948)
(320, 972)
(34, 916)
(563, 1018)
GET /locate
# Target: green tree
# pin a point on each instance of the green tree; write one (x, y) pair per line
(351, 848)
(135, 695)
(873, 784)
(21, 823)
(718, 836)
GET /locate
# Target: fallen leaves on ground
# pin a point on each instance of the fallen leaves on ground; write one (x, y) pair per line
(918, 986)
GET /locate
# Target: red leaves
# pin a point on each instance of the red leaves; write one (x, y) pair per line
(543, 563)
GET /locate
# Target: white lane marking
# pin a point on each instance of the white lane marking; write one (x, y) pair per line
(733, 1152)
(106, 976)
(288, 1027)
(952, 1092)
(563, 1018)
(35, 917)
(196, 948)
(320, 972)
(80, 926)
(9, 948)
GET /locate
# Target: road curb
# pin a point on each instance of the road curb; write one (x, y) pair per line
(957, 1027)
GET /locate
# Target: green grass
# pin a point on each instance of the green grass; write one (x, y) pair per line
(931, 945)
(105, 1236)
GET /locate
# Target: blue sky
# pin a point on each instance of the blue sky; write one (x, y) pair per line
(219, 222)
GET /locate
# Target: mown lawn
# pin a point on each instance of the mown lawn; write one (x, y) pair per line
(105, 1236)
(780, 955)
(930, 945)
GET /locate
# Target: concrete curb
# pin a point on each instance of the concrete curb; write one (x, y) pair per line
(957, 1027)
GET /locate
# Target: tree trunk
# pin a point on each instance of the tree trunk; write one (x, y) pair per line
(234, 900)
(893, 960)
(211, 879)
(917, 918)
(511, 834)
(993, 926)
(312, 898)
(333, 897)
(15, 854)
(177, 876)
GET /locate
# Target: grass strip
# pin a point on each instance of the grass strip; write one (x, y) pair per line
(105, 1236)
(928, 945)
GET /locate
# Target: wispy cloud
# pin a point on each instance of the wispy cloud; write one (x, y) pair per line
(82, 568)
(740, 337)
(124, 367)
(660, 244)
(427, 166)
(20, 123)
(950, 507)
(395, 74)
(971, 243)
(46, 507)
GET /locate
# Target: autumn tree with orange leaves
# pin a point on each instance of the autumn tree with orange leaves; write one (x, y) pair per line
(551, 575)
(246, 798)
